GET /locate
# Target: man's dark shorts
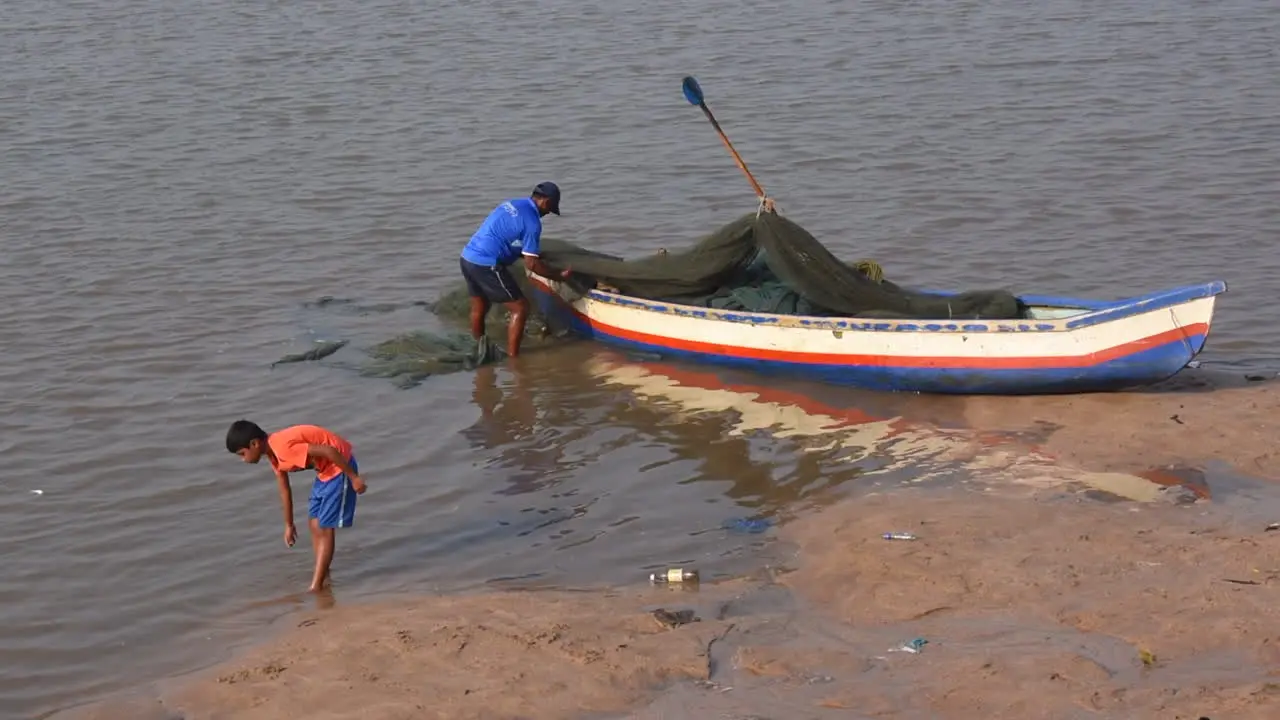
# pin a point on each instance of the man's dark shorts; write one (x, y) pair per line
(491, 282)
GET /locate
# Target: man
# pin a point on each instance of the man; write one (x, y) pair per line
(512, 230)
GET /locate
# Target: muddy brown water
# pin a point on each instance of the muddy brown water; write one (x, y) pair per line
(180, 179)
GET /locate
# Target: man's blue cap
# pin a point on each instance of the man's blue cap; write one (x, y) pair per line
(551, 192)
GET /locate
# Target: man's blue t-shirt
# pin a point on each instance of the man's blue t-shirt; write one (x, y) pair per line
(512, 229)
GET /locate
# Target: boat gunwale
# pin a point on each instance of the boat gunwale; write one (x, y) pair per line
(1096, 312)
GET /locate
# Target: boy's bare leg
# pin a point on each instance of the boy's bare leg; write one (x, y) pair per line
(323, 540)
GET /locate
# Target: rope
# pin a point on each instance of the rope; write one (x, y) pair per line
(1186, 340)
(871, 269)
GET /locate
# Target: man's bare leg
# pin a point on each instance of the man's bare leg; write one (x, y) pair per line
(479, 309)
(515, 330)
(323, 540)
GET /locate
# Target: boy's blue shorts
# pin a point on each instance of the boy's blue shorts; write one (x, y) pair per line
(333, 503)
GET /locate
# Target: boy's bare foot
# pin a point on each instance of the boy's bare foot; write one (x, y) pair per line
(324, 599)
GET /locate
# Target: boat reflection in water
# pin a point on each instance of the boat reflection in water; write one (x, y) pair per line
(776, 441)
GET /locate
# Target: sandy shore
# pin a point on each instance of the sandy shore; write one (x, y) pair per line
(1197, 417)
(503, 655)
(1036, 599)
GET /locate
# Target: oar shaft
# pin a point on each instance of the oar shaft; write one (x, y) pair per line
(736, 157)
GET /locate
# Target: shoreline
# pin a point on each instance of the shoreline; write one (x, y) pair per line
(1151, 627)
(1197, 417)
(1062, 582)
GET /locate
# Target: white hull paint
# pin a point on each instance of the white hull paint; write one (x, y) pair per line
(1069, 346)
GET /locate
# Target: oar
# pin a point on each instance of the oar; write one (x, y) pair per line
(693, 93)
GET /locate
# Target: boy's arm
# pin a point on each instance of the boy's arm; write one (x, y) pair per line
(332, 455)
(286, 505)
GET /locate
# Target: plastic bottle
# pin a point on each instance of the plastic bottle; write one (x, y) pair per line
(673, 575)
(898, 536)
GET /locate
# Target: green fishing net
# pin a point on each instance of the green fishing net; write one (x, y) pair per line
(767, 263)
(760, 262)
(411, 358)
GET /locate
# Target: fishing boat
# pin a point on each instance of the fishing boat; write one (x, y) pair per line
(1065, 345)
(1059, 345)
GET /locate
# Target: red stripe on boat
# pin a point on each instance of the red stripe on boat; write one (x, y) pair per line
(1008, 363)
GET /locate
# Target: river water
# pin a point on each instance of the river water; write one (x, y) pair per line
(181, 179)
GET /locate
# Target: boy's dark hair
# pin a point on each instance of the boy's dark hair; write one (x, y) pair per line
(243, 432)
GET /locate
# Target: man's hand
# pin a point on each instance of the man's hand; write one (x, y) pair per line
(357, 484)
(534, 264)
(290, 535)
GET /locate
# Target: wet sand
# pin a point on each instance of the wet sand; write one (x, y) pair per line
(1038, 598)
(510, 655)
(1196, 417)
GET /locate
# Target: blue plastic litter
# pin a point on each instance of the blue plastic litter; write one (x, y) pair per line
(752, 526)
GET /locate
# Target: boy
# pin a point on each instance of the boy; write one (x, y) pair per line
(333, 495)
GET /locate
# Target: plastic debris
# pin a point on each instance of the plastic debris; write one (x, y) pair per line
(673, 575)
(751, 526)
(899, 536)
(913, 646)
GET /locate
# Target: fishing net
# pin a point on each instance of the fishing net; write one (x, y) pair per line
(761, 262)
(409, 359)
(767, 263)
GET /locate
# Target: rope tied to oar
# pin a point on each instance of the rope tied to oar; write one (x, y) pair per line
(765, 206)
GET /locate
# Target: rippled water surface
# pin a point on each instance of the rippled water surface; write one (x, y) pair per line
(181, 178)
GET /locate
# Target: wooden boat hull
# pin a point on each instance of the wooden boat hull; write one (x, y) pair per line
(1069, 346)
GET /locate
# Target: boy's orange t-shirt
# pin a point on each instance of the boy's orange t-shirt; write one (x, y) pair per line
(290, 448)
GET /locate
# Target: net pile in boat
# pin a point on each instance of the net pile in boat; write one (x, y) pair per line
(767, 263)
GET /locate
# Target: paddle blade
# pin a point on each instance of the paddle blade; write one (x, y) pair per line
(692, 91)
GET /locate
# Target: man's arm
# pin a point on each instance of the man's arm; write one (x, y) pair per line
(531, 245)
(332, 455)
(534, 264)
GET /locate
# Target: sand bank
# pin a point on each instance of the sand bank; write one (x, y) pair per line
(1043, 606)
(1040, 606)
(502, 655)
(1197, 417)
(1035, 599)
